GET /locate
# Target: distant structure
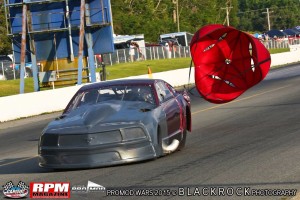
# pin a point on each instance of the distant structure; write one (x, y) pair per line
(123, 42)
(63, 36)
(182, 38)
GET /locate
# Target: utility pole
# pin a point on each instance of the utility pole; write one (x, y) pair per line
(268, 17)
(178, 28)
(23, 47)
(176, 13)
(227, 13)
(81, 39)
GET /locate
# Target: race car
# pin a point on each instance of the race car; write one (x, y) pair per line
(117, 122)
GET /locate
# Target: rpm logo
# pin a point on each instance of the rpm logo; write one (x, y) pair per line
(51, 190)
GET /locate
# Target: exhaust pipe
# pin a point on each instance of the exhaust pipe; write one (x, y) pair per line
(170, 148)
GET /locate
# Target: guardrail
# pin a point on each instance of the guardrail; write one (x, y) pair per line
(30, 104)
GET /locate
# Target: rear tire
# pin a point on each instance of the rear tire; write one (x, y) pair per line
(159, 148)
(183, 140)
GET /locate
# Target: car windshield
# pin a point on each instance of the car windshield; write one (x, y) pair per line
(137, 93)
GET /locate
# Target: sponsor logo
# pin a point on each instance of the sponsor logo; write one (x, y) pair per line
(90, 187)
(15, 192)
(51, 190)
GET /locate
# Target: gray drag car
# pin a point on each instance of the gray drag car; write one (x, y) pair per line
(116, 122)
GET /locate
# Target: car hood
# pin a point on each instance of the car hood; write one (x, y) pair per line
(102, 116)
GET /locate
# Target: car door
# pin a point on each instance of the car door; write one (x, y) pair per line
(170, 107)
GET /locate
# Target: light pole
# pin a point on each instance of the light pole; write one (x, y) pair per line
(178, 27)
(268, 17)
(176, 13)
(227, 14)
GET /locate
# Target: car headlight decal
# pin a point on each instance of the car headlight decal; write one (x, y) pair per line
(133, 133)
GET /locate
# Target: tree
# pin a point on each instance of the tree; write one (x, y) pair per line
(283, 14)
(5, 44)
(155, 17)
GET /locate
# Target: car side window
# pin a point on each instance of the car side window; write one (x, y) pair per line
(171, 89)
(163, 92)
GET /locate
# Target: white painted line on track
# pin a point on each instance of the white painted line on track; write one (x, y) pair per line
(14, 162)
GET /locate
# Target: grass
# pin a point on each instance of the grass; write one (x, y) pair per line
(138, 68)
(11, 87)
(273, 51)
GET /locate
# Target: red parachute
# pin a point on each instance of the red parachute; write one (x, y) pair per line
(227, 62)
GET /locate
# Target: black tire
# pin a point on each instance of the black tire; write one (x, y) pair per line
(182, 142)
(159, 148)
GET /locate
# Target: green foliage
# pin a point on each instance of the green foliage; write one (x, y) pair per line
(153, 18)
(5, 45)
(156, 17)
(283, 14)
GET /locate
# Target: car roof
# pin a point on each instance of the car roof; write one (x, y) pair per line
(120, 82)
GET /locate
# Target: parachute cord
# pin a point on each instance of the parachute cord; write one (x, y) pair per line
(189, 90)
(188, 85)
(190, 74)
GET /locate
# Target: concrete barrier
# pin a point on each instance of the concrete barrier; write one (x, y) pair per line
(295, 47)
(35, 103)
(285, 58)
(30, 104)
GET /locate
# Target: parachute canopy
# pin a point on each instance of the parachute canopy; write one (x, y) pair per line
(227, 62)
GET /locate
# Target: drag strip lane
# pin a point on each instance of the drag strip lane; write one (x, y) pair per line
(10, 161)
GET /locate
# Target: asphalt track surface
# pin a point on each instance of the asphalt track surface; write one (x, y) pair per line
(250, 143)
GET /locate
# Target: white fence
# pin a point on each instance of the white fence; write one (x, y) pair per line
(147, 53)
(161, 52)
(281, 43)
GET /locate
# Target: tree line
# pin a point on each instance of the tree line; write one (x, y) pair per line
(155, 17)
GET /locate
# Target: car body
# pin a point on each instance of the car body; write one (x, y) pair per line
(117, 122)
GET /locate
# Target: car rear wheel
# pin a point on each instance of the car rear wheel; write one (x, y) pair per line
(159, 148)
(183, 140)
(175, 145)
